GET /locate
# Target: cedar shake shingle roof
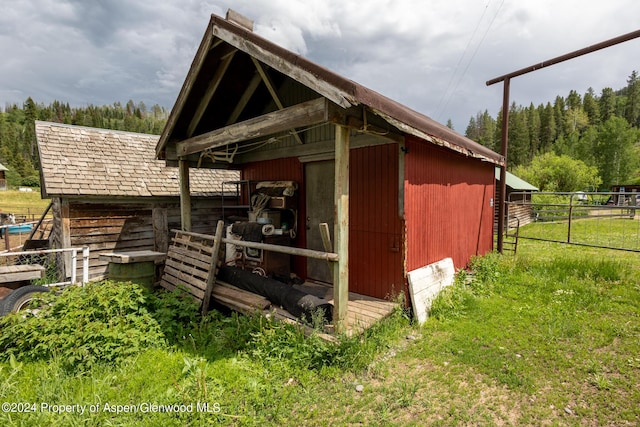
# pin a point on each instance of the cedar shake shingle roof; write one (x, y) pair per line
(83, 161)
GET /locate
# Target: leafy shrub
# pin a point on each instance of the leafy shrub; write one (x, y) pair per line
(102, 322)
(279, 341)
(30, 181)
(175, 311)
(287, 344)
(453, 301)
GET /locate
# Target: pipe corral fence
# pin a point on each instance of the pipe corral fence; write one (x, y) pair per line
(598, 219)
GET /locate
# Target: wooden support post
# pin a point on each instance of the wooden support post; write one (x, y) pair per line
(160, 223)
(65, 222)
(213, 269)
(341, 229)
(185, 195)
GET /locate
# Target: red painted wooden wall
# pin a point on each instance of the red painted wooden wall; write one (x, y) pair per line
(448, 205)
(375, 225)
(375, 239)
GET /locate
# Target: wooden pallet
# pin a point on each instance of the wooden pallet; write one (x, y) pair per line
(189, 264)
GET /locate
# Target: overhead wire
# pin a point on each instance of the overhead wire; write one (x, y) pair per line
(444, 109)
(455, 70)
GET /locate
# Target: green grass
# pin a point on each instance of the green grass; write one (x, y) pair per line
(548, 337)
(23, 203)
(623, 233)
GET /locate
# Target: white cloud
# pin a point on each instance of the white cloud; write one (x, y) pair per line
(85, 52)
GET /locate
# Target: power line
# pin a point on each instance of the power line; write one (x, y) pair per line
(455, 71)
(472, 57)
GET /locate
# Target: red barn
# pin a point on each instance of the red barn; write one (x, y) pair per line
(406, 191)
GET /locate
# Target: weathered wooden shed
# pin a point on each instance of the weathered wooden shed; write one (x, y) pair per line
(404, 190)
(3, 178)
(110, 193)
(518, 199)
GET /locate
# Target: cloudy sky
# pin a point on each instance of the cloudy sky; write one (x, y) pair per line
(432, 55)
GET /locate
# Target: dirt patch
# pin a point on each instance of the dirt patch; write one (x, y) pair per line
(12, 241)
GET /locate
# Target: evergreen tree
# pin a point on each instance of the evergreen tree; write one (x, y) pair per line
(548, 130)
(487, 132)
(607, 104)
(473, 130)
(632, 107)
(534, 123)
(590, 105)
(449, 124)
(559, 115)
(519, 148)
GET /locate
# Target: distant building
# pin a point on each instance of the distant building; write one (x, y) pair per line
(3, 179)
(518, 199)
(109, 193)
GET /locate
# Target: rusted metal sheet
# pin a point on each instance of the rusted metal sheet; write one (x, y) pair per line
(448, 205)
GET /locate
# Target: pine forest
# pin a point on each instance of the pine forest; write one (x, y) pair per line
(593, 137)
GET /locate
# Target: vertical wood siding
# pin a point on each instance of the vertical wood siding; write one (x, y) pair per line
(375, 235)
(375, 226)
(448, 209)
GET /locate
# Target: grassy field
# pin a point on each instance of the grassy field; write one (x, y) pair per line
(27, 206)
(549, 337)
(614, 232)
(23, 203)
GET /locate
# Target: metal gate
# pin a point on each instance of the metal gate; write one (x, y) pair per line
(604, 220)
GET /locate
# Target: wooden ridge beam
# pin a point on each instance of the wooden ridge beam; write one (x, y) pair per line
(304, 114)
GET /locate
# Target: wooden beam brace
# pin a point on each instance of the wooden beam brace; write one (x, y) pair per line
(244, 100)
(211, 90)
(267, 81)
(304, 114)
(213, 268)
(271, 88)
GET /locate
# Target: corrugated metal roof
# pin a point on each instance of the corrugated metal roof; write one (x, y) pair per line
(340, 90)
(516, 183)
(83, 161)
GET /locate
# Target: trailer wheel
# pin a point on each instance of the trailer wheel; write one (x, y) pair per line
(20, 297)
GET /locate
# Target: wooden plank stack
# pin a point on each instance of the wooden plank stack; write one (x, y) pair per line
(19, 273)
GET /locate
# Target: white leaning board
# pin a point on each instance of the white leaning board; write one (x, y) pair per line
(425, 284)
